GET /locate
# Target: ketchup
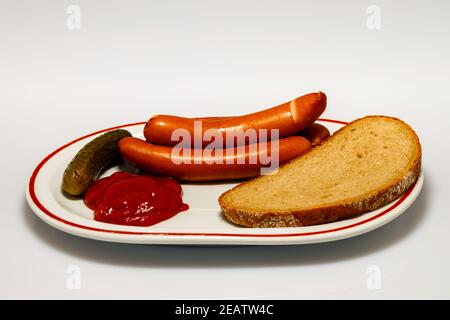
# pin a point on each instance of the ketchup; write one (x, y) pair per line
(132, 199)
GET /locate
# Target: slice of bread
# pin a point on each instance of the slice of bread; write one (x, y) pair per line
(363, 166)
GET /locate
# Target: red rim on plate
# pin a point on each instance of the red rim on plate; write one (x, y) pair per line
(34, 198)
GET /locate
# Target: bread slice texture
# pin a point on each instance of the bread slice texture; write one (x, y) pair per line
(363, 166)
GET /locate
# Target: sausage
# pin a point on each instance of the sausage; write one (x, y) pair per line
(209, 164)
(316, 133)
(289, 118)
(164, 160)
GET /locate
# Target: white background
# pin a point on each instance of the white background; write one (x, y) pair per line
(133, 59)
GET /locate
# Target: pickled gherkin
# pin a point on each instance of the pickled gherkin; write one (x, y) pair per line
(91, 160)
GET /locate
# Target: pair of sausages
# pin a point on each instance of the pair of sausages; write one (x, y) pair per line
(193, 160)
(288, 118)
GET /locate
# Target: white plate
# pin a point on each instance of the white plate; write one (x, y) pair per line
(201, 224)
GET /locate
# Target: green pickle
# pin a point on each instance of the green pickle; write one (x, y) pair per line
(91, 160)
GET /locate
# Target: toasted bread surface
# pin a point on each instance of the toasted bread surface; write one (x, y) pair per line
(363, 166)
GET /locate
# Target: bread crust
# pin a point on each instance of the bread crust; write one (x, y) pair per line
(331, 213)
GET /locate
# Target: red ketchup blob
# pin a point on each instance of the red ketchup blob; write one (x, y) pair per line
(137, 200)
